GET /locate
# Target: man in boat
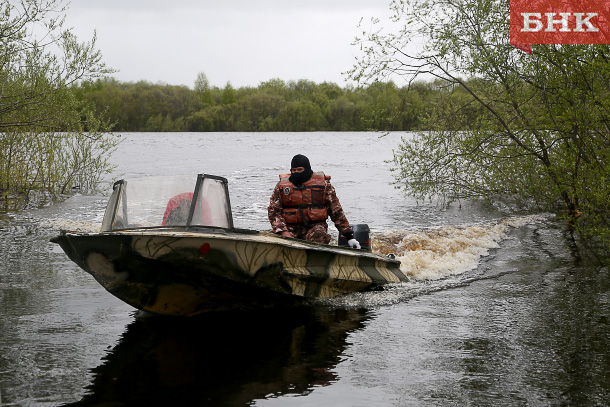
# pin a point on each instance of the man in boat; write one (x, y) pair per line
(302, 201)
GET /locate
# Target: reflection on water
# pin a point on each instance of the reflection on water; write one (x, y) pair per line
(223, 359)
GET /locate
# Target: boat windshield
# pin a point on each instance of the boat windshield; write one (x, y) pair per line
(169, 201)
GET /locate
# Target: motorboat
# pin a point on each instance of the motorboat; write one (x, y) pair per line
(168, 246)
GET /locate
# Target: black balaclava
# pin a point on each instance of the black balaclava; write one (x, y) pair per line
(298, 178)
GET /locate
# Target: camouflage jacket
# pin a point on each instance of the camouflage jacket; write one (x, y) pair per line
(333, 207)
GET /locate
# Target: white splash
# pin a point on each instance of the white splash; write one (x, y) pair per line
(71, 225)
(432, 254)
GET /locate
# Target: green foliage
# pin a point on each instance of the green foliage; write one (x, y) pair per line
(531, 130)
(202, 88)
(50, 139)
(228, 95)
(274, 105)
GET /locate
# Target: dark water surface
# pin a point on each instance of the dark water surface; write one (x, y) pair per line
(502, 309)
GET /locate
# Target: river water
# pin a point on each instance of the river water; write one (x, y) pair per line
(502, 309)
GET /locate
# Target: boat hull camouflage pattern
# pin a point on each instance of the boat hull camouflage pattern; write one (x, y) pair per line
(189, 271)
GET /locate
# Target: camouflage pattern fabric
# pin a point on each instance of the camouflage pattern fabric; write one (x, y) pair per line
(314, 232)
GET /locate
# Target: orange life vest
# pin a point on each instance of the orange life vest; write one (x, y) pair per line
(305, 203)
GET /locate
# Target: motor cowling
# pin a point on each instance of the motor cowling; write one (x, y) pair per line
(361, 234)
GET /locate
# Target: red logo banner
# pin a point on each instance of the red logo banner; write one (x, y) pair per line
(559, 22)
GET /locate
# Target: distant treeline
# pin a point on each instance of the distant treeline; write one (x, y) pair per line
(274, 105)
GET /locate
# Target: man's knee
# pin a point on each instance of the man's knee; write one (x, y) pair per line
(318, 234)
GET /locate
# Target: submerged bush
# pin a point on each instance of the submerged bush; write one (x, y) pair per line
(49, 139)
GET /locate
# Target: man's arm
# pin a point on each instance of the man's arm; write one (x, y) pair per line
(335, 211)
(274, 210)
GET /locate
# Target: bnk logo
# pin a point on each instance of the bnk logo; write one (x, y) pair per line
(559, 22)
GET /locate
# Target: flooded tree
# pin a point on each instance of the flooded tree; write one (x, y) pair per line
(529, 130)
(50, 140)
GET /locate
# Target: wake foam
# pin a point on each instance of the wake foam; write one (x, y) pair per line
(70, 225)
(435, 259)
(436, 253)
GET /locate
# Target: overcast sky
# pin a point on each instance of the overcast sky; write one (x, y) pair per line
(244, 42)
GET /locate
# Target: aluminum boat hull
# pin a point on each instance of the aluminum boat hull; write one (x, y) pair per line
(189, 271)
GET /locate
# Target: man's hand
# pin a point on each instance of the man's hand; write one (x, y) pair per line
(286, 234)
(353, 243)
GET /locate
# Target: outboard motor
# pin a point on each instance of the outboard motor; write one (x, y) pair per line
(361, 234)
